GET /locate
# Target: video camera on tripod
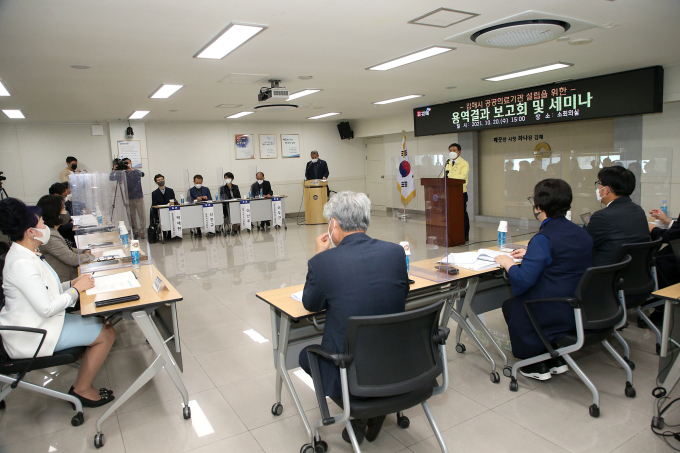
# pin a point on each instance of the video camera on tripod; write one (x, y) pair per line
(119, 164)
(3, 192)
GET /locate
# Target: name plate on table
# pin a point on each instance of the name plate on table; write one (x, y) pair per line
(175, 222)
(277, 213)
(245, 214)
(158, 284)
(209, 217)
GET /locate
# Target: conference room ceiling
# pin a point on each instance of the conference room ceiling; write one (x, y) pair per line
(134, 46)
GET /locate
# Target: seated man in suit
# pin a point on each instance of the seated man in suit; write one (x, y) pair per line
(197, 194)
(262, 186)
(229, 191)
(621, 221)
(359, 276)
(159, 197)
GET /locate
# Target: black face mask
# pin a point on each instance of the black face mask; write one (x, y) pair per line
(74, 166)
(65, 218)
(161, 183)
(536, 214)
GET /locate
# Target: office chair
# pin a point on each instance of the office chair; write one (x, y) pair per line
(4, 248)
(12, 372)
(599, 306)
(391, 362)
(639, 283)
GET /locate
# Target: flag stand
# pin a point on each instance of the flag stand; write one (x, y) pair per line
(403, 216)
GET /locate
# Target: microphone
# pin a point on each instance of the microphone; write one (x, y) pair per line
(444, 167)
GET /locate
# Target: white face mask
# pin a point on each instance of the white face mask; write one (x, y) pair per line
(260, 181)
(330, 234)
(198, 186)
(453, 156)
(227, 181)
(68, 197)
(315, 160)
(599, 197)
(45, 235)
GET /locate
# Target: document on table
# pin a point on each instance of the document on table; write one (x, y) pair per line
(297, 296)
(84, 220)
(460, 258)
(114, 282)
(489, 255)
(118, 253)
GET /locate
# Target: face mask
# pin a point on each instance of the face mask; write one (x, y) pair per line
(597, 194)
(65, 218)
(536, 214)
(198, 186)
(453, 156)
(260, 181)
(45, 235)
(227, 181)
(330, 234)
(315, 160)
(161, 183)
(68, 197)
(74, 166)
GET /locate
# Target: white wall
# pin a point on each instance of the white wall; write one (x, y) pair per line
(659, 134)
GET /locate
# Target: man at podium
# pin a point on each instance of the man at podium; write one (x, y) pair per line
(458, 168)
(317, 169)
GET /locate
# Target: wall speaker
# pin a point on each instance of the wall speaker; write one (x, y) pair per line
(345, 131)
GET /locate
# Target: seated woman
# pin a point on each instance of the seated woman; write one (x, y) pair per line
(58, 253)
(34, 297)
(552, 266)
(228, 192)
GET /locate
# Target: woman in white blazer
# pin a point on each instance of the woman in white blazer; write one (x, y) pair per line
(34, 297)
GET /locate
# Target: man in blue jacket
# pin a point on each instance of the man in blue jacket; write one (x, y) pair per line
(359, 276)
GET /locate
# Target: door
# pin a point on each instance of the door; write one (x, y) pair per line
(375, 173)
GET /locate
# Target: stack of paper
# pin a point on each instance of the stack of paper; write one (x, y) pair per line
(114, 282)
(480, 260)
(490, 255)
(297, 296)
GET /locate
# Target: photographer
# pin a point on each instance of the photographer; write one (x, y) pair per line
(135, 195)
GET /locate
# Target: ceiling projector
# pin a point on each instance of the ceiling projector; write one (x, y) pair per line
(274, 92)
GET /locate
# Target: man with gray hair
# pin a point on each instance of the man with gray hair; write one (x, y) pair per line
(351, 275)
(317, 169)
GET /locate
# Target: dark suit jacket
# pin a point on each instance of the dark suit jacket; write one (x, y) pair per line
(666, 264)
(622, 222)
(205, 192)
(158, 198)
(266, 188)
(224, 194)
(359, 277)
(317, 170)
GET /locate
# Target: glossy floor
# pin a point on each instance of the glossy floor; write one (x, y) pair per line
(229, 373)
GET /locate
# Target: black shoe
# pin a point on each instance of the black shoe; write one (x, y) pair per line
(538, 371)
(93, 403)
(467, 239)
(373, 427)
(102, 391)
(359, 428)
(557, 365)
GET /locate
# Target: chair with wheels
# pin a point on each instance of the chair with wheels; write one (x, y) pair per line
(13, 371)
(391, 363)
(639, 282)
(599, 307)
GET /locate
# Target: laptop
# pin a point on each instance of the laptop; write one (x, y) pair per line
(585, 218)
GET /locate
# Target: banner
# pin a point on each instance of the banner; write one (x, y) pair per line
(175, 222)
(209, 218)
(277, 212)
(407, 185)
(245, 214)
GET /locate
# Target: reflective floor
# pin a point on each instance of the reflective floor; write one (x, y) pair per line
(229, 373)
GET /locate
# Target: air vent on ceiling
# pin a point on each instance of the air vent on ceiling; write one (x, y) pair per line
(524, 29)
(275, 107)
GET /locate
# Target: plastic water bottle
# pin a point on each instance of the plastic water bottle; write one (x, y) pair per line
(124, 237)
(98, 213)
(217, 197)
(121, 227)
(181, 199)
(250, 194)
(261, 195)
(502, 231)
(134, 252)
(664, 208)
(407, 251)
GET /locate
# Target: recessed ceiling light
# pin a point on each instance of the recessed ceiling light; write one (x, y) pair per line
(228, 106)
(530, 71)
(563, 38)
(299, 94)
(80, 66)
(138, 114)
(608, 25)
(403, 98)
(165, 91)
(13, 113)
(229, 39)
(323, 116)
(304, 77)
(580, 41)
(238, 115)
(3, 90)
(410, 58)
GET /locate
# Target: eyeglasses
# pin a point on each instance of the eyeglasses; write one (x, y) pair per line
(597, 183)
(530, 200)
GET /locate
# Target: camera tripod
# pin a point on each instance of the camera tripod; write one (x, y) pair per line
(3, 192)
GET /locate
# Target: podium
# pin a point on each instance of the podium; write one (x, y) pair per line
(444, 210)
(316, 196)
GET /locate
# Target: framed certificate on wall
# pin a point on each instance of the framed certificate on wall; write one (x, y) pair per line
(290, 145)
(268, 148)
(243, 144)
(130, 149)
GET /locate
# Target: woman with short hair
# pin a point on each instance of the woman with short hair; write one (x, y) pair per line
(552, 266)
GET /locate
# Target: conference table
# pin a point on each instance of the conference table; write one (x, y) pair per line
(260, 209)
(192, 216)
(294, 327)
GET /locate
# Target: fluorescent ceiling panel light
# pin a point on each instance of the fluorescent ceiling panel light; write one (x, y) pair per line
(165, 91)
(299, 94)
(530, 71)
(3, 90)
(13, 113)
(238, 115)
(229, 39)
(410, 58)
(403, 98)
(323, 116)
(255, 335)
(138, 114)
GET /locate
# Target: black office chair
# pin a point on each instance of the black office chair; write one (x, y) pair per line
(639, 281)
(12, 371)
(391, 362)
(4, 248)
(599, 307)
